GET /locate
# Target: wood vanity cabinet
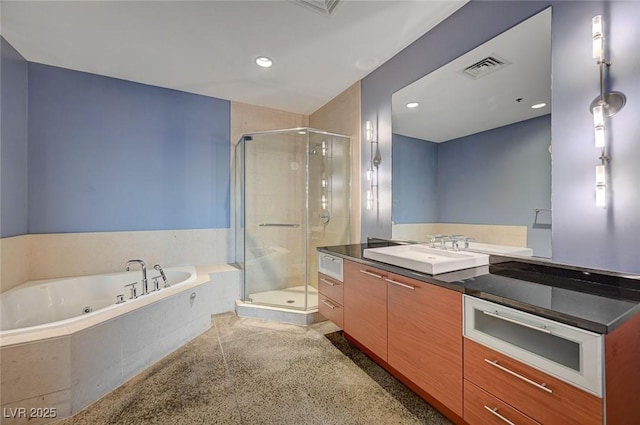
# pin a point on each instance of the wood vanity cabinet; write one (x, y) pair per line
(425, 338)
(365, 306)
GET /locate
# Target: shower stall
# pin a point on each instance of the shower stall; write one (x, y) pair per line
(292, 194)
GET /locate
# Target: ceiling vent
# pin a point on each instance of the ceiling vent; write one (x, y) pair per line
(326, 7)
(485, 66)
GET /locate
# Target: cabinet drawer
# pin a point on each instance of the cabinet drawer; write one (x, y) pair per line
(542, 397)
(330, 287)
(481, 408)
(331, 310)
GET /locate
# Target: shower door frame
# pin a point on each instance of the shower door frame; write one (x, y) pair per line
(240, 212)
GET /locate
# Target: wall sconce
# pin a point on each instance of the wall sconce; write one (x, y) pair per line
(374, 162)
(603, 106)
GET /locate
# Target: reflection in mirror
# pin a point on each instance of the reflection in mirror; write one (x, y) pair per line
(473, 157)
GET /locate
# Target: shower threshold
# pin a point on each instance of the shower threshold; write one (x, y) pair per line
(291, 298)
(273, 305)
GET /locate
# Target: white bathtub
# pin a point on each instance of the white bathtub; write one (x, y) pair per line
(56, 356)
(48, 301)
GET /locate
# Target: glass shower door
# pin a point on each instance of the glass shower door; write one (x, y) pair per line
(275, 219)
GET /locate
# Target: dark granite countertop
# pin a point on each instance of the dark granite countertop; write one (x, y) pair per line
(595, 300)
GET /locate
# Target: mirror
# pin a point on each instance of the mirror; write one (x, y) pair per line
(473, 157)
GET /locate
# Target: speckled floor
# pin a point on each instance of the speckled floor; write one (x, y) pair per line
(249, 371)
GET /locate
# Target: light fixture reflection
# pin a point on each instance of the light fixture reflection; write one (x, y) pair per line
(264, 62)
(601, 186)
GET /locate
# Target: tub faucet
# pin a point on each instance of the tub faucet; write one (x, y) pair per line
(145, 289)
(166, 283)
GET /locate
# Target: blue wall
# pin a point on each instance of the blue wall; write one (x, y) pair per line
(498, 177)
(495, 177)
(582, 234)
(13, 142)
(112, 155)
(415, 180)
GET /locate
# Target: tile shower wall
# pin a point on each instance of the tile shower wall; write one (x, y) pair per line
(341, 115)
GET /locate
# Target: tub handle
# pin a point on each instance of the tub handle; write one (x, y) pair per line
(156, 284)
(119, 299)
(134, 291)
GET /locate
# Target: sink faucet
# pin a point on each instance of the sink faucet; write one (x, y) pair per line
(145, 289)
(440, 239)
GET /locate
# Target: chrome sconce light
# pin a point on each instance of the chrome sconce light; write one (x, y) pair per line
(603, 106)
(374, 162)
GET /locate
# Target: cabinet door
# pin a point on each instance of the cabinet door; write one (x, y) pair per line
(365, 306)
(425, 337)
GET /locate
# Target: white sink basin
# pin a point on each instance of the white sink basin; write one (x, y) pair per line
(421, 258)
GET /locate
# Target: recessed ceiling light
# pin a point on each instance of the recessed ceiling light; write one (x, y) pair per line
(264, 61)
(411, 105)
(538, 105)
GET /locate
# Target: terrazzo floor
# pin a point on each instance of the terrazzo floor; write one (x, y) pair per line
(250, 371)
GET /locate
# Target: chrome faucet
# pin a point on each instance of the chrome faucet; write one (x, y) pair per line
(166, 282)
(440, 239)
(145, 289)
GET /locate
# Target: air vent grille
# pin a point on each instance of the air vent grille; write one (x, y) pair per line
(485, 66)
(326, 7)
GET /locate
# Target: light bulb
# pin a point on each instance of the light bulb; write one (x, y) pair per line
(369, 131)
(596, 31)
(598, 123)
(601, 186)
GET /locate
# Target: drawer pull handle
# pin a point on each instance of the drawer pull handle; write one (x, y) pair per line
(517, 322)
(542, 386)
(328, 304)
(377, 276)
(404, 285)
(328, 282)
(495, 412)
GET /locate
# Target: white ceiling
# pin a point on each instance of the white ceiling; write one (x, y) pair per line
(453, 105)
(209, 47)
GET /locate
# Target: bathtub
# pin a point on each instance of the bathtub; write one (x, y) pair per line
(65, 342)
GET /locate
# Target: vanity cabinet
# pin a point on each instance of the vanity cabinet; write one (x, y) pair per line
(365, 306)
(425, 338)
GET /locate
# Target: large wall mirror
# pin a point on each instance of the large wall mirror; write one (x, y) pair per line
(472, 144)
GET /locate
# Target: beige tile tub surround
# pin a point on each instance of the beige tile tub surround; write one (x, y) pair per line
(77, 254)
(485, 233)
(14, 261)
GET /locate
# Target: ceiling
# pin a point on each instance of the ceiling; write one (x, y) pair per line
(209, 47)
(453, 105)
